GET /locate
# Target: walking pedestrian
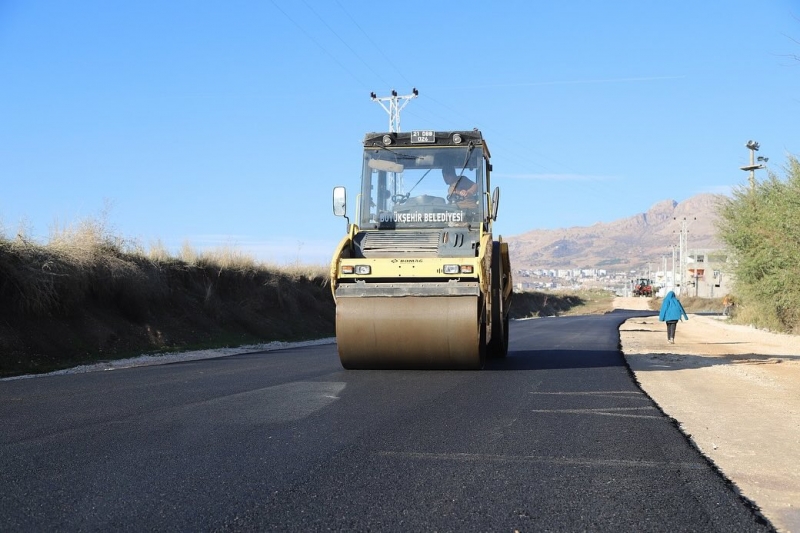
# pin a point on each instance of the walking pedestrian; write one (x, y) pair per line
(671, 312)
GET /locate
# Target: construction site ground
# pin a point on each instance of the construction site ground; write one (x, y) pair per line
(735, 391)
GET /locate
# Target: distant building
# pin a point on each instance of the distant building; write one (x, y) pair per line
(707, 275)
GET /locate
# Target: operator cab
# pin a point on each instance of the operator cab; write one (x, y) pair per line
(423, 180)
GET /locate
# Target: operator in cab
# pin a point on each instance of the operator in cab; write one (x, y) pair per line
(462, 190)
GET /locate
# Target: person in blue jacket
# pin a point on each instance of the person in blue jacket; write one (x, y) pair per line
(671, 312)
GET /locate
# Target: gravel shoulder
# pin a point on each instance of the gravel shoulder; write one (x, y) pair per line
(735, 391)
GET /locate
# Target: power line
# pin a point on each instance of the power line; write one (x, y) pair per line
(311, 38)
(519, 156)
(499, 136)
(344, 42)
(375, 45)
(446, 120)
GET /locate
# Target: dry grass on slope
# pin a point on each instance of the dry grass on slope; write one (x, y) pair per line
(87, 295)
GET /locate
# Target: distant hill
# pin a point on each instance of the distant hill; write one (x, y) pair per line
(629, 243)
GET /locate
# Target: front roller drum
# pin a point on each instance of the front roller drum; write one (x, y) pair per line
(410, 332)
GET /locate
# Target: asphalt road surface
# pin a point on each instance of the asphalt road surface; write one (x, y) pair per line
(557, 437)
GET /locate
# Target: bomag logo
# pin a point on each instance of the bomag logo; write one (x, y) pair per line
(406, 260)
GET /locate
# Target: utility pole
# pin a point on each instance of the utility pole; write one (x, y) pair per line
(682, 257)
(753, 146)
(673, 267)
(394, 107)
(683, 253)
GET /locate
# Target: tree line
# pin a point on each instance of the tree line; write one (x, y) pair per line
(760, 225)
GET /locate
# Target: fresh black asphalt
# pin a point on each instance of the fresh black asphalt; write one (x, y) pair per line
(556, 437)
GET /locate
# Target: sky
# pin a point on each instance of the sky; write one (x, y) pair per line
(227, 124)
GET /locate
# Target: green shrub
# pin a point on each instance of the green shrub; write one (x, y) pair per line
(761, 227)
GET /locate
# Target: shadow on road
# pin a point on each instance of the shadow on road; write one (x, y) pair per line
(678, 361)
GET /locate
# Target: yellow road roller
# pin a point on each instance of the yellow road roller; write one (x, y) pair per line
(419, 282)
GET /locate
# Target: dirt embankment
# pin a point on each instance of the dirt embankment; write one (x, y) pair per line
(99, 315)
(734, 391)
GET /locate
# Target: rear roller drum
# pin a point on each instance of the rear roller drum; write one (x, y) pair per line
(498, 345)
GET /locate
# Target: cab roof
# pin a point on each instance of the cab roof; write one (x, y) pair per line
(423, 138)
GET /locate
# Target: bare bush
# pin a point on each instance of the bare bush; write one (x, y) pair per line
(188, 254)
(227, 257)
(158, 252)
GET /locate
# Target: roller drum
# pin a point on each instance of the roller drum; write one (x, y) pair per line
(413, 332)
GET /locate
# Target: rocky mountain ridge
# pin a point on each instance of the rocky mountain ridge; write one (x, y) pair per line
(628, 243)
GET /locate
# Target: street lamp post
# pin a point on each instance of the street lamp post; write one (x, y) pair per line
(753, 146)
